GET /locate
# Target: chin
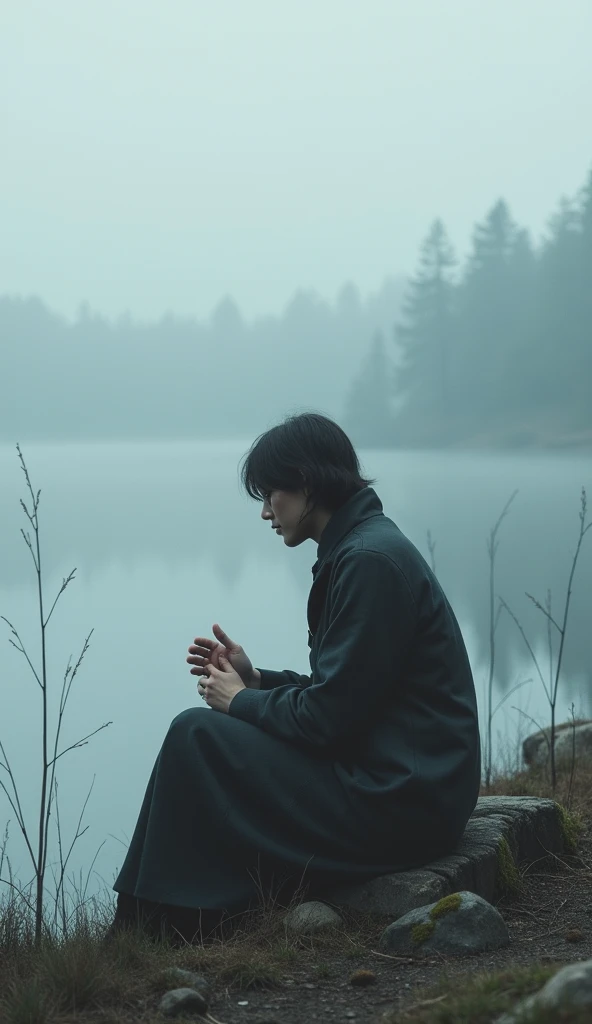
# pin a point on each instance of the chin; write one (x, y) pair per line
(293, 541)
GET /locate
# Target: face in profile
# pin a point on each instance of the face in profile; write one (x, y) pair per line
(285, 509)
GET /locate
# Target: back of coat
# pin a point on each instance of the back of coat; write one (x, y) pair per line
(406, 673)
(390, 700)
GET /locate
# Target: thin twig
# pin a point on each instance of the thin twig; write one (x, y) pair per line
(387, 956)
(494, 614)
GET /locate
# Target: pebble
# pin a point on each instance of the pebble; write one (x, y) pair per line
(362, 978)
(182, 1001)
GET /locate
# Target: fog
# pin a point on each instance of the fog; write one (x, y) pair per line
(216, 215)
(160, 157)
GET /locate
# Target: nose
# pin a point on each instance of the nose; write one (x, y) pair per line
(266, 512)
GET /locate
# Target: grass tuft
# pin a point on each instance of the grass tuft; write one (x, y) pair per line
(475, 998)
(76, 975)
(26, 1001)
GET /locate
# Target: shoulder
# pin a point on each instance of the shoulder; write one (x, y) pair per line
(378, 546)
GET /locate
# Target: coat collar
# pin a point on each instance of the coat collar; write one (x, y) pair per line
(362, 505)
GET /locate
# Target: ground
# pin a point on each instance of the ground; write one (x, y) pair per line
(549, 923)
(259, 976)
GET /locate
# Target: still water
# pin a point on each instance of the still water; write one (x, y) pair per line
(165, 544)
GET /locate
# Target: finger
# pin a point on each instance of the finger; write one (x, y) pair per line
(222, 636)
(198, 671)
(204, 641)
(197, 659)
(204, 652)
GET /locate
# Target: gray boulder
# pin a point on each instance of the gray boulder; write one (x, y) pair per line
(536, 748)
(311, 918)
(459, 924)
(182, 1001)
(570, 987)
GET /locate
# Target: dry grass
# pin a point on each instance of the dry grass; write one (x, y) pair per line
(575, 793)
(79, 978)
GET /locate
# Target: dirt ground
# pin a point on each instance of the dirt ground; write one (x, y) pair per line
(551, 921)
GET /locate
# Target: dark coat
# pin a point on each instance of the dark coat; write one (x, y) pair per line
(368, 765)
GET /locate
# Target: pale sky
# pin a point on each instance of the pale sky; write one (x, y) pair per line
(161, 155)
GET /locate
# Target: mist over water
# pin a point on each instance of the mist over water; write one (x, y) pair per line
(257, 210)
(165, 544)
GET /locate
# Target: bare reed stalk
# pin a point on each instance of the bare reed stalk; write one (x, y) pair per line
(552, 689)
(494, 614)
(50, 755)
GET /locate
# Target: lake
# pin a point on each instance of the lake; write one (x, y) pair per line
(165, 545)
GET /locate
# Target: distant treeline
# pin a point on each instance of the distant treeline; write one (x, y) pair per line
(97, 379)
(496, 353)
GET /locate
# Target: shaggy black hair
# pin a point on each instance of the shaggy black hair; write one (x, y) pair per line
(305, 451)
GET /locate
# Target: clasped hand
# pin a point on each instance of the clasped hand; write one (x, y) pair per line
(220, 681)
(220, 686)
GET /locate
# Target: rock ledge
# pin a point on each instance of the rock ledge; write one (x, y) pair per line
(502, 833)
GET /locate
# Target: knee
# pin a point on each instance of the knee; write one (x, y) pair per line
(190, 720)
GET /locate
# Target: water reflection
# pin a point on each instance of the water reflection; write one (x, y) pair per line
(165, 544)
(177, 503)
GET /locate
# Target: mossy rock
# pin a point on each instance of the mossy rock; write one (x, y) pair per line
(420, 933)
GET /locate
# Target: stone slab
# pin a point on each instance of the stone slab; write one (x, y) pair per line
(531, 827)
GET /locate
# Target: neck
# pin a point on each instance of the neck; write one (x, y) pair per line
(321, 519)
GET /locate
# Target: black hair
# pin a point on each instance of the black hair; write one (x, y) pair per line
(306, 450)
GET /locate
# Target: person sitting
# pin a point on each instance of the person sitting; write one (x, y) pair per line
(369, 764)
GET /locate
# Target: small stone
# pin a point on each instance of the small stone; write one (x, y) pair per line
(362, 978)
(574, 935)
(243, 1002)
(181, 1001)
(350, 1013)
(311, 918)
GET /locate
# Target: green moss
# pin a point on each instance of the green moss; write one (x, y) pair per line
(421, 932)
(571, 826)
(445, 905)
(508, 876)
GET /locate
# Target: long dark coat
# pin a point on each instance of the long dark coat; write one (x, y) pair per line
(368, 765)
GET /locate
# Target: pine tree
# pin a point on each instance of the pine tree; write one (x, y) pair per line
(564, 330)
(426, 338)
(558, 296)
(488, 305)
